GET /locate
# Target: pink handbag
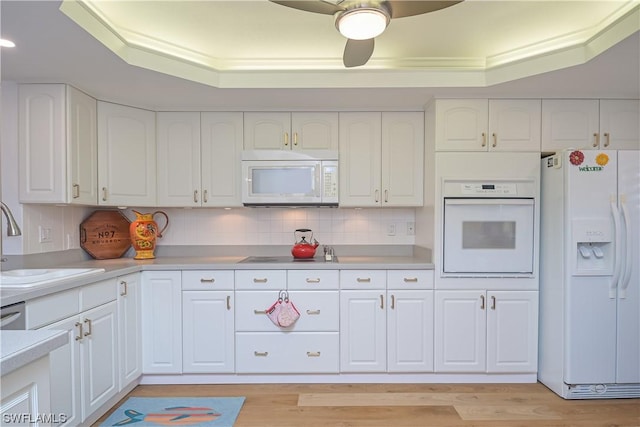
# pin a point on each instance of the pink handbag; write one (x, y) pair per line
(283, 313)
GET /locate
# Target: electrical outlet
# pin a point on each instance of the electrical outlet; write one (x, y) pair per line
(411, 228)
(391, 230)
(45, 234)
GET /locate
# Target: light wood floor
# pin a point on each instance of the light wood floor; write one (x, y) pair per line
(416, 405)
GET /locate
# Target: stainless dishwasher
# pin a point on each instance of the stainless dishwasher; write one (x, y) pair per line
(12, 317)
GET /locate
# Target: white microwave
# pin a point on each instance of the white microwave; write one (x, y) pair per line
(290, 178)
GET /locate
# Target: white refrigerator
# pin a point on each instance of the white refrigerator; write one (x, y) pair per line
(589, 334)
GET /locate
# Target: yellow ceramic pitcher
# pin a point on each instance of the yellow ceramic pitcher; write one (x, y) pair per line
(144, 231)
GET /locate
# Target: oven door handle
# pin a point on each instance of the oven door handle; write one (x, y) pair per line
(477, 201)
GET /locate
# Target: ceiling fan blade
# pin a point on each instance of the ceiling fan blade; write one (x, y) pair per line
(317, 6)
(402, 8)
(357, 52)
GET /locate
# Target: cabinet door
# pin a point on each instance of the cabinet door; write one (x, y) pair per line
(82, 143)
(410, 331)
(314, 131)
(42, 143)
(461, 124)
(514, 125)
(569, 123)
(64, 364)
(129, 328)
(402, 159)
(619, 124)
(207, 332)
(161, 322)
(127, 153)
(512, 331)
(99, 348)
(221, 141)
(460, 331)
(178, 151)
(271, 131)
(360, 159)
(363, 344)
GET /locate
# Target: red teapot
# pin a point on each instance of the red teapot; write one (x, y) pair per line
(303, 247)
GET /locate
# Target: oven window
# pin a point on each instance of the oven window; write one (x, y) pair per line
(488, 235)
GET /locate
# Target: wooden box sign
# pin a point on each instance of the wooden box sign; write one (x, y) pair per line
(105, 234)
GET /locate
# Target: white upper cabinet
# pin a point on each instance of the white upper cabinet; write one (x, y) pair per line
(178, 156)
(199, 159)
(607, 124)
(57, 145)
(127, 153)
(487, 125)
(221, 150)
(381, 159)
(620, 124)
(290, 131)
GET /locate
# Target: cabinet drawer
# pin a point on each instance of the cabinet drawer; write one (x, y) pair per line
(410, 279)
(51, 308)
(363, 279)
(207, 280)
(313, 279)
(261, 279)
(287, 352)
(97, 294)
(318, 311)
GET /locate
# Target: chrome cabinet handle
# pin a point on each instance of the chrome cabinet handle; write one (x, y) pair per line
(363, 280)
(484, 139)
(76, 191)
(596, 139)
(310, 280)
(493, 302)
(411, 280)
(376, 196)
(386, 196)
(228, 302)
(313, 354)
(382, 301)
(607, 139)
(261, 353)
(495, 140)
(313, 312)
(88, 321)
(205, 196)
(481, 302)
(286, 139)
(259, 311)
(203, 280)
(80, 334)
(263, 280)
(195, 196)
(104, 194)
(393, 302)
(124, 288)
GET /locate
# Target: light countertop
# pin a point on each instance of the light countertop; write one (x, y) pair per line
(19, 348)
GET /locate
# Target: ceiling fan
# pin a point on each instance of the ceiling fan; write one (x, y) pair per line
(360, 21)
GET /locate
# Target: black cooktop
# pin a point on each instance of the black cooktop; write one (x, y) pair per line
(278, 259)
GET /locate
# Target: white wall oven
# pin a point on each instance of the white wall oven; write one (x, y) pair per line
(488, 228)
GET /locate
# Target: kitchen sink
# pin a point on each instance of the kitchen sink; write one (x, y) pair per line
(32, 277)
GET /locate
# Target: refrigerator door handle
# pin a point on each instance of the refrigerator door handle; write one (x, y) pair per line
(626, 277)
(615, 213)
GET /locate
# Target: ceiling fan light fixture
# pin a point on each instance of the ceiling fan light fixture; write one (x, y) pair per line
(362, 23)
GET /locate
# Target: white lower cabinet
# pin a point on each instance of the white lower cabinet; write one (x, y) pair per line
(129, 328)
(208, 322)
(26, 392)
(486, 331)
(84, 372)
(161, 322)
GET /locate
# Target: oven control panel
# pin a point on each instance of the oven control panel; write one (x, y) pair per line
(486, 189)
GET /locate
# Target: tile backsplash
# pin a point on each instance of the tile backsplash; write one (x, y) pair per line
(239, 226)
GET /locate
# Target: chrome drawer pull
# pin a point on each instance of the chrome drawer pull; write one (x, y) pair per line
(228, 302)
(259, 311)
(124, 289)
(263, 280)
(90, 331)
(309, 280)
(310, 312)
(411, 279)
(207, 280)
(261, 353)
(365, 280)
(313, 354)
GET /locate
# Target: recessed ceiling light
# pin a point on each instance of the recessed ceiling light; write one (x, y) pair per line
(7, 43)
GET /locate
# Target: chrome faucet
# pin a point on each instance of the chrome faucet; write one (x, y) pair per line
(12, 225)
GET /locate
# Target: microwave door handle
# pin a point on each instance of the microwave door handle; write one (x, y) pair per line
(318, 183)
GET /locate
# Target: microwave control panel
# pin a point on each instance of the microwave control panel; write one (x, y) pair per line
(487, 189)
(330, 181)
